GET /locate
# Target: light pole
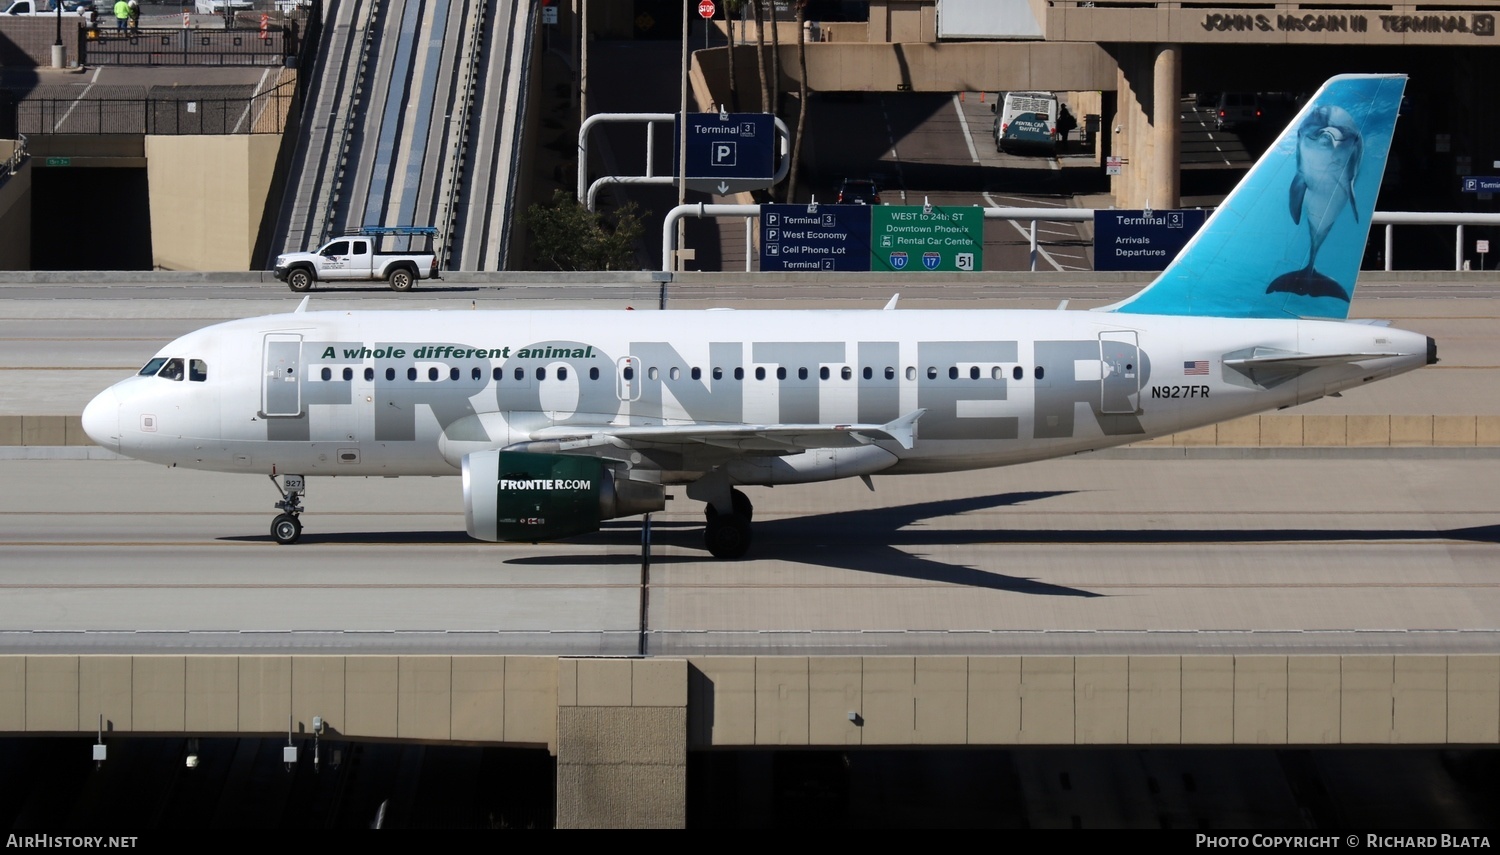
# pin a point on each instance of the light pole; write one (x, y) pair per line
(57, 46)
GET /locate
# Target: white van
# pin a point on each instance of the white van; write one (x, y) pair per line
(216, 7)
(1027, 121)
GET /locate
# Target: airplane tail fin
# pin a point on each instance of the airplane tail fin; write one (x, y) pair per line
(1287, 242)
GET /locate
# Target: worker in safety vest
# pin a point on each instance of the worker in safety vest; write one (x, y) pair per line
(122, 14)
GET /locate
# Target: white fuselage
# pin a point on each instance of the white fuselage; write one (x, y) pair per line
(412, 392)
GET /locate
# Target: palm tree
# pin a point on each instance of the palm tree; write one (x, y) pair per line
(802, 90)
(760, 55)
(731, 8)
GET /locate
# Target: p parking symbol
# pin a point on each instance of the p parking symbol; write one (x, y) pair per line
(725, 153)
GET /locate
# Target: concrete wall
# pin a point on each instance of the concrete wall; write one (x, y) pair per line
(936, 67)
(15, 214)
(208, 195)
(625, 724)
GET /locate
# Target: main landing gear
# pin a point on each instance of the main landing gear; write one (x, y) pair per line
(727, 535)
(286, 528)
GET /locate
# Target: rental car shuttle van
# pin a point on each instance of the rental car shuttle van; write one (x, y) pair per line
(1027, 122)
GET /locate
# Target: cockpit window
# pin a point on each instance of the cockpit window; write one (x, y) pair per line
(172, 370)
(198, 370)
(153, 366)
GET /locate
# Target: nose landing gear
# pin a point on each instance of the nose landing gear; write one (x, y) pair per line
(286, 528)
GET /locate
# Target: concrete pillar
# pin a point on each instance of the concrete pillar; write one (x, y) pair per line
(1149, 126)
(1166, 126)
(622, 743)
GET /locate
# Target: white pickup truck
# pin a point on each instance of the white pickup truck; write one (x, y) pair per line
(48, 7)
(358, 257)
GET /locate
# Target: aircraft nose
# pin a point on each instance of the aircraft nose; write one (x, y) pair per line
(101, 419)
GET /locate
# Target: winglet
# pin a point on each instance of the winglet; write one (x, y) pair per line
(302, 306)
(892, 304)
(901, 430)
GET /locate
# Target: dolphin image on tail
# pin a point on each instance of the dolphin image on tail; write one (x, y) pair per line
(1329, 150)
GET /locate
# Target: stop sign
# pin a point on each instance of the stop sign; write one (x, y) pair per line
(706, 9)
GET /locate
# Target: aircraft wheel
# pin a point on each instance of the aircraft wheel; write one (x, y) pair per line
(741, 504)
(727, 536)
(299, 280)
(286, 528)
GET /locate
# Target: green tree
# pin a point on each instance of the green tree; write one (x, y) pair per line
(567, 236)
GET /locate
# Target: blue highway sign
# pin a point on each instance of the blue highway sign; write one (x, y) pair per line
(728, 154)
(1482, 183)
(1142, 240)
(821, 237)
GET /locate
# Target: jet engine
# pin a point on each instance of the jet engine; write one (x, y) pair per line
(530, 497)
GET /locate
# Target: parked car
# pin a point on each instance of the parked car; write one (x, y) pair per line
(858, 191)
(1238, 110)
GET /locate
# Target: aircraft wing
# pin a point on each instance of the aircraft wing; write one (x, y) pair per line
(753, 439)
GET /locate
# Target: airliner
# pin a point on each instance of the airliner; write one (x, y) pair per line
(557, 420)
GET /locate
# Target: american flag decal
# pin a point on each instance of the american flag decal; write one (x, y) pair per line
(1198, 367)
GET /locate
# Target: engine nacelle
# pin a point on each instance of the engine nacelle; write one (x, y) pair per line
(528, 497)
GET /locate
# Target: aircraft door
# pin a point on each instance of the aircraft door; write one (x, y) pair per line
(282, 390)
(1120, 372)
(628, 378)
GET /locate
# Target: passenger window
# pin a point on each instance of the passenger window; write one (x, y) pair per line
(931, 373)
(629, 373)
(348, 374)
(1040, 372)
(432, 373)
(952, 372)
(995, 373)
(594, 373)
(846, 372)
(652, 373)
(781, 372)
(369, 374)
(823, 372)
(675, 373)
(496, 374)
(801, 373)
(390, 374)
(973, 372)
(696, 373)
(475, 374)
(1017, 373)
(760, 372)
(541, 374)
(520, 373)
(718, 373)
(739, 373)
(869, 372)
(911, 372)
(453, 373)
(327, 373)
(198, 371)
(890, 373)
(411, 373)
(153, 366)
(562, 372)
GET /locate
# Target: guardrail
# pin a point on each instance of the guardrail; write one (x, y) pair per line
(183, 46)
(1390, 219)
(263, 113)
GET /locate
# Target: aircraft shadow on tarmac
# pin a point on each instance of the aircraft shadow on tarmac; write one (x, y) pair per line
(890, 541)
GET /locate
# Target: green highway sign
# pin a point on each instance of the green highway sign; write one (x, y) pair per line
(917, 237)
(59, 161)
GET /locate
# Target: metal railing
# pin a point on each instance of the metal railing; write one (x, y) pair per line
(263, 113)
(1389, 219)
(180, 47)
